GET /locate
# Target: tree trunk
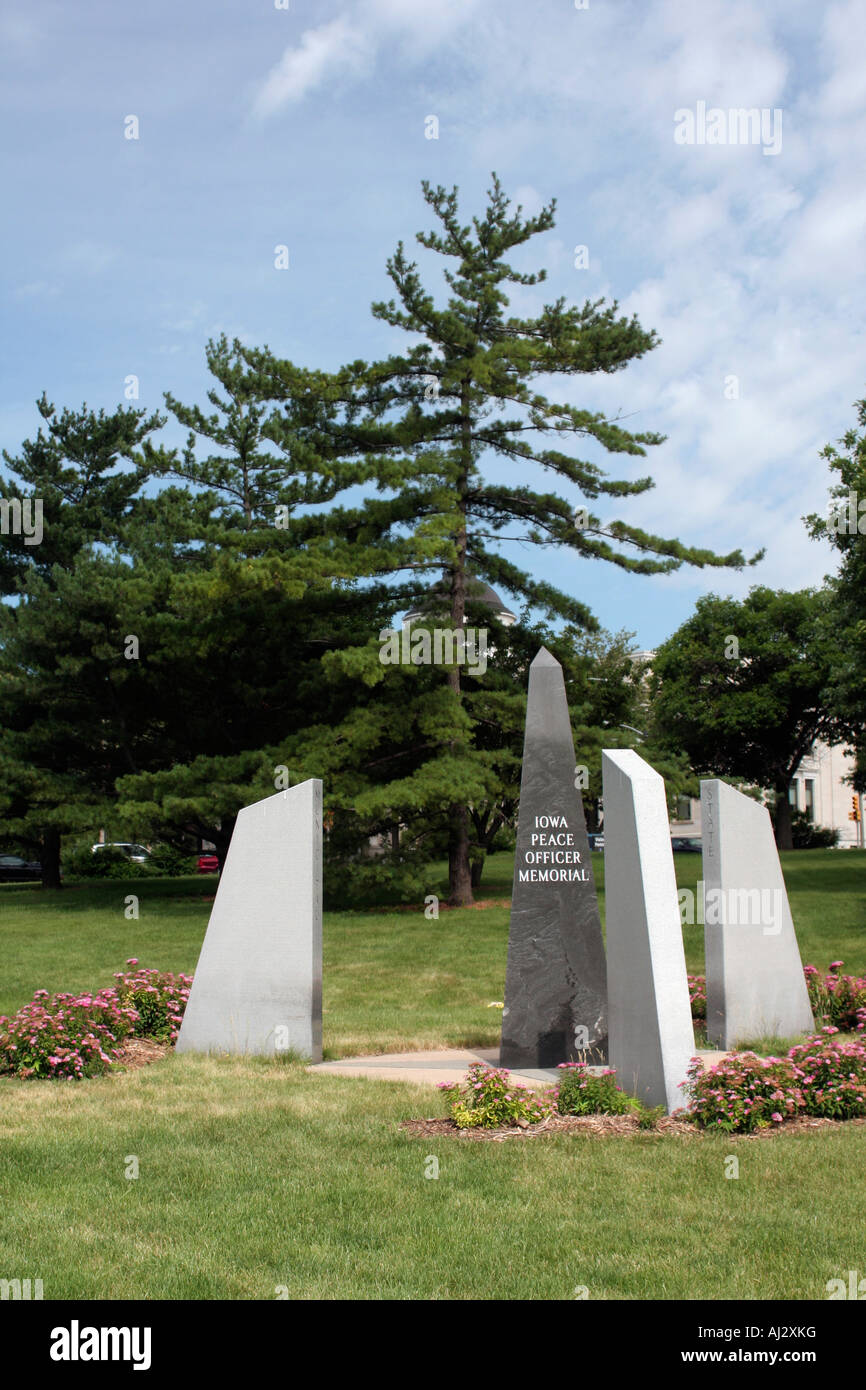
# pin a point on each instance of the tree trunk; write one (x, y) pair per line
(222, 839)
(50, 859)
(459, 870)
(782, 820)
(478, 870)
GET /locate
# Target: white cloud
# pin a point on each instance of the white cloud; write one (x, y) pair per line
(324, 53)
(351, 48)
(37, 289)
(89, 257)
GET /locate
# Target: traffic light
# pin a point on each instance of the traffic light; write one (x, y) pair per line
(854, 813)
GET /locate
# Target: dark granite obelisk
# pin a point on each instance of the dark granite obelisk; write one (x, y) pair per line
(556, 982)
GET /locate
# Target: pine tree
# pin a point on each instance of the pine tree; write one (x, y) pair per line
(84, 469)
(466, 391)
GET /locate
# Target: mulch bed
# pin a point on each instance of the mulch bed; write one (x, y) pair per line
(556, 1124)
(140, 1052)
(603, 1126)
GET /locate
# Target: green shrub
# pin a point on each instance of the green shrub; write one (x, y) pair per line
(384, 881)
(106, 863)
(169, 862)
(806, 835)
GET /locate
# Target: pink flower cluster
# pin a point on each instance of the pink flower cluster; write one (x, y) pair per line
(837, 999)
(832, 1075)
(698, 996)
(744, 1092)
(73, 1036)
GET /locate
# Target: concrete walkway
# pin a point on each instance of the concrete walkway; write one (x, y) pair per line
(451, 1064)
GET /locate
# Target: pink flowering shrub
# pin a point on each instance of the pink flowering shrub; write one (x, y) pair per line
(64, 1035)
(832, 1075)
(73, 1036)
(158, 998)
(581, 1092)
(743, 1092)
(698, 997)
(487, 1098)
(836, 999)
(839, 1000)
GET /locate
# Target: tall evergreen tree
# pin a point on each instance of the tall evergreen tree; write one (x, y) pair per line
(464, 393)
(85, 470)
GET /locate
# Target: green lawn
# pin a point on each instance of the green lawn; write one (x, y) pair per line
(255, 1174)
(392, 980)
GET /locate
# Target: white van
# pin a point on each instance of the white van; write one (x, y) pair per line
(137, 853)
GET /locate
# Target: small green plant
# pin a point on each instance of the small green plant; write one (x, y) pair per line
(649, 1116)
(582, 1092)
(488, 1098)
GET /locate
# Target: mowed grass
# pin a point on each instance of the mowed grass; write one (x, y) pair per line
(393, 980)
(256, 1176)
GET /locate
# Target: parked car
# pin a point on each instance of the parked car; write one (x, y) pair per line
(208, 864)
(14, 869)
(596, 839)
(682, 844)
(139, 854)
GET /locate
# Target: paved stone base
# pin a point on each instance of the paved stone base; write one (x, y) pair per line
(429, 1068)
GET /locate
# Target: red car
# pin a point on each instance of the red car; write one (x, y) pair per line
(208, 864)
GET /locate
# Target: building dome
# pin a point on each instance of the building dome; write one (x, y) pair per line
(477, 591)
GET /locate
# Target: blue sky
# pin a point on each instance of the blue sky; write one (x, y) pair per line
(305, 126)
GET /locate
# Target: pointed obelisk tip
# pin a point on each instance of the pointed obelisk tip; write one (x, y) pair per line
(543, 658)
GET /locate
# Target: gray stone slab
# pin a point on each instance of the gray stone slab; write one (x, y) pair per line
(555, 988)
(755, 981)
(651, 1033)
(258, 983)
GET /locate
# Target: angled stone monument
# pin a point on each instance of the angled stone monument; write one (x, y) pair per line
(755, 981)
(258, 983)
(651, 1034)
(555, 991)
